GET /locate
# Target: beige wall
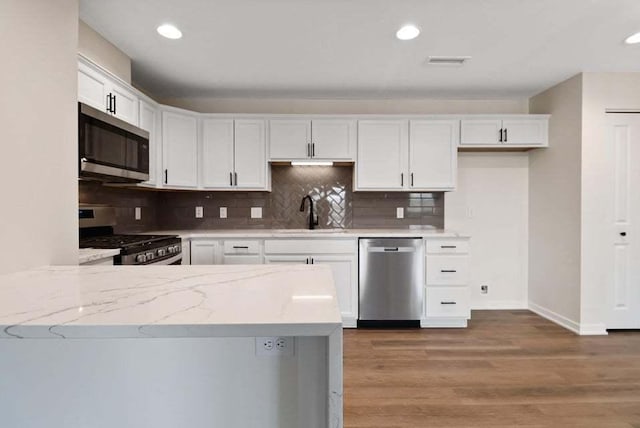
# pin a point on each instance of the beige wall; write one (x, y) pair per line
(555, 204)
(99, 50)
(38, 166)
(346, 106)
(601, 91)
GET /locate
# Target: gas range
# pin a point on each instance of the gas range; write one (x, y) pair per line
(96, 231)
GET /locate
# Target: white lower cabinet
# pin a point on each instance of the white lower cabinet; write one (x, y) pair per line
(447, 293)
(340, 255)
(204, 251)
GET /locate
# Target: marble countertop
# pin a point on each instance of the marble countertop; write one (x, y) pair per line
(87, 255)
(305, 233)
(168, 301)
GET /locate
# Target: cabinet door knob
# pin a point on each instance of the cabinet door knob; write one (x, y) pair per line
(506, 138)
(500, 135)
(623, 233)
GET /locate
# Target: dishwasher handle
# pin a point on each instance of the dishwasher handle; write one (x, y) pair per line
(392, 249)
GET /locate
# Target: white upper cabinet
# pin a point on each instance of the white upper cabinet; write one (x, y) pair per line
(149, 121)
(234, 154)
(433, 154)
(523, 131)
(304, 139)
(382, 155)
(180, 143)
(104, 93)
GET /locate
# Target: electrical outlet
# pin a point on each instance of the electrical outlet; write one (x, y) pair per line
(138, 213)
(484, 289)
(256, 212)
(199, 212)
(223, 212)
(275, 346)
(399, 212)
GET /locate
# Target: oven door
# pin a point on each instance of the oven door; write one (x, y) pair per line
(175, 260)
(111, 149)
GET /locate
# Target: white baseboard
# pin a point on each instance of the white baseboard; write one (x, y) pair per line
(576, 327)
(499, 305)
(443, 323)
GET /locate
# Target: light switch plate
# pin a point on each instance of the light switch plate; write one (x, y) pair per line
(223, 212)
(199, 212)
(399, 212)
(256, 212)
(138, 213)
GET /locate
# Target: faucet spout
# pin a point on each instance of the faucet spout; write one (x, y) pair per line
(313, 221)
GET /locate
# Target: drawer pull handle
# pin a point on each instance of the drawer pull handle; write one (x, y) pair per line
(448, 270)
(448, 246)
(391, 249)
(447, 303)
(240, 247)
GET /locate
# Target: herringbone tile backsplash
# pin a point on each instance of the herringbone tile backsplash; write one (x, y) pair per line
(337, 206)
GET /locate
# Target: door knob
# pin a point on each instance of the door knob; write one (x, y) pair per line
(623, 233)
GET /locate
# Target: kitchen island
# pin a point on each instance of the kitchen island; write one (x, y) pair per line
(169, 346)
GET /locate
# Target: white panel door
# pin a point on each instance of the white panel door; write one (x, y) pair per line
(204, 251)
(289, 139)
(125, 104)
(217, 153)
(382, 155)
(92, 88)
(623, 303)
(433, 154)
(478, 132)
(250, 154)
(333, 139)
(180, 143)
(148, 118)
(345, 276)
(528, 132)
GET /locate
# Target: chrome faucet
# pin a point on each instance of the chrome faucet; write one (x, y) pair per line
(313, 221)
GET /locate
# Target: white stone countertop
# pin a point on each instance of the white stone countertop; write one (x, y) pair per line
(87, 255)
(168, 301)
(305, 233)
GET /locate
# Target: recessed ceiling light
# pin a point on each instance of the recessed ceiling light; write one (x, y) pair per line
(169, 31)
(633, 39)
(408, 32)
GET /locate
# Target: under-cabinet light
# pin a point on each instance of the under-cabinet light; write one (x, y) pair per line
(311, 163)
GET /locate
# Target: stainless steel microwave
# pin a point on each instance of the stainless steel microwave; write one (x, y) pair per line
(111, 149)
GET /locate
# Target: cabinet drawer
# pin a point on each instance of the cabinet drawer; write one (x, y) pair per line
(241, 247)
(310, 246)
(447, 246)
(447, 270)
(448, 302)
(241, 259)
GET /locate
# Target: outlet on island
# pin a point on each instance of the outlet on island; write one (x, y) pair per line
(275, 346)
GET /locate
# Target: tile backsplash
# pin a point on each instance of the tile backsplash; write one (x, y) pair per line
(337, 206)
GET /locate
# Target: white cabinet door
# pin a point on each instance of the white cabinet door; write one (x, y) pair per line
(433, 154)
(289, 139)
(149, 122)
(125, 104)
(217, 153)
(474, 132)
(530, 132)
(180, 142)
(333, 139)
(250, 154)
(204, 251)
(345, 276)
(382, 155)
(92, 88)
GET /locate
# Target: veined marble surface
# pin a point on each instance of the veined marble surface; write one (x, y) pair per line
(86, 255)
(305, 233)
(168, 301)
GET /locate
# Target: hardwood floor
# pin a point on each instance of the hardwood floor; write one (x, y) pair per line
(508, 369)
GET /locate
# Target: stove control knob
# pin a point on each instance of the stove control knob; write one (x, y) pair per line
(177, 247)
(150, 255)
(162, 252)
(141, 258)
(170, 250)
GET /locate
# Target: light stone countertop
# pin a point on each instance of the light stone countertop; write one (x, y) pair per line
(168, 301)
(87, 255)
(305, 233)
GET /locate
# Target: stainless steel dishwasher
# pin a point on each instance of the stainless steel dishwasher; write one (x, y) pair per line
(391, 279)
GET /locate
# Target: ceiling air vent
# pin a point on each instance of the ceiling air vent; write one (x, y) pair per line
(448, 61)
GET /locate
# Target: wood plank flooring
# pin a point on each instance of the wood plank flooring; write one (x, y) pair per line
(508, 369)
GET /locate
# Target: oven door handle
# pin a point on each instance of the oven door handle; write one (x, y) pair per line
(168, 261)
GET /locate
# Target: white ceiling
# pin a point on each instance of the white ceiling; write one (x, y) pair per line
(348, 49)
